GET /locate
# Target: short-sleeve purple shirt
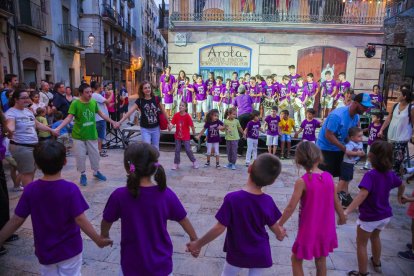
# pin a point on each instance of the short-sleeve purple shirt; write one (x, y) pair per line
(329, 86)
(373, 133)
(309, 129)
(245, 215)
(146, 246)
(243, 103)
(216, 90)
(253, 129)
(213, 132)
(272, 125)
(200, 91)
(53, 206)
(283, 90)
(311, 87)
(377, 204)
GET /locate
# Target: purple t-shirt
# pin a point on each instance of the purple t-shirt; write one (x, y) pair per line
(228, 95)
(253, 129)
(168, 98)
(269, 90)
(213, 132)
(53, 205)
(172, 79)
(377, 205)
(201, 91)
(243, 103)
(246, 85)
(210, 83)
(187, 95)
(254, 90)
(245, 215)
(216, 90)
(328, 86)
(376, 97)
(311, 88)
(283, 90)
(235, 84)
(272, 125)
(145, 243)
(180, 83)
(373, 133)
(309, 129)
(300, 92)
(341, 87)
(293, 80)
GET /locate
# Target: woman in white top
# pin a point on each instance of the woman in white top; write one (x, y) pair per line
(22, 124)
(400, 127)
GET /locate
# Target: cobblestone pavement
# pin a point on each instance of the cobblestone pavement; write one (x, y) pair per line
(202, 192)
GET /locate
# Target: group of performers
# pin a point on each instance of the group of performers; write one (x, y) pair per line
(293, 92)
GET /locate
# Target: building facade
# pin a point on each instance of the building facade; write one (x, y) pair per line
(265, 37)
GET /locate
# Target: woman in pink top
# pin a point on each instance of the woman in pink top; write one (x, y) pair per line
(111, 100)
(318, 202)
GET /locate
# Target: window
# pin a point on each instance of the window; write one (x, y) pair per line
(47, 65)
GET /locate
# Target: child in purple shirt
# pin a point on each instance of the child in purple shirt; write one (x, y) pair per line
(144, 207)
(342, 86)
(167, 92)
(375, 210)
(245, 214)
(188, 95)
(57, 211)
(216, 91)
(255, 93)
(309, 126)
(293, 76)
(328, 93)
(200, 89)
(213, 126)
(272, 133)
(373, 130)
(251, 133)
(235, 81)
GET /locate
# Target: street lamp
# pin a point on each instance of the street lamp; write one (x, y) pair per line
(91, 39)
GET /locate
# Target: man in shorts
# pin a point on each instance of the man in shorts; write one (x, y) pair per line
(332, 136)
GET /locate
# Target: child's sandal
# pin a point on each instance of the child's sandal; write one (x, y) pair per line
(377, 267)
(357, 273)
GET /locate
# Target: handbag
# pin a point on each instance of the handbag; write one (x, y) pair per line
(161, 117)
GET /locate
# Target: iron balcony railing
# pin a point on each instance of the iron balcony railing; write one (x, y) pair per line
(123, 56)
(109, 12)
(397, 7)
(7, 6)
(71, 36)
(32, 16)
(364, 12)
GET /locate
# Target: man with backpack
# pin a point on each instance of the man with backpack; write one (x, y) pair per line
(9, 81)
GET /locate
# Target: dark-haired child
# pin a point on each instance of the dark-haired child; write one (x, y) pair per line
(216, 90)
(213, 126)
(41, 118)
(200, 89)
(354, 151)
(144, 207)
(234, 81)
(245, 214)
(232, 127)
(183, 122)
(373, 204)
(63, 138)
(57, 211)
(286, 125)
(309, 126)
(226, 98)
(251, 133)
(373, 130)
(272, 134)
(316, 192)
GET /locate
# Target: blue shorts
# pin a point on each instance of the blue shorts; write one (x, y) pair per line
(285, 138)
(101, 128)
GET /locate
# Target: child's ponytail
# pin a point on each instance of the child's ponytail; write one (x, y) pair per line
(160, 177)
(133, 182)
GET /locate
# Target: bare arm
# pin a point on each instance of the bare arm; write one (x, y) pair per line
(193, 130)
(188, 228)
(400, 194)
(41, 126)
(386, 124)
(88, 229)
(362, 195)
(278, 230)
(212, 234)
(105, 117)
(339, 210)
(67, 120)
(105, 227)
(201, 133)
(11, 125)
(294, 200)
(11, 226)
(129, 113)
(330, 136)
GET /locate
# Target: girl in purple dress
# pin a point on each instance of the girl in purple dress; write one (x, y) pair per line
(318, 202)
(144, 207)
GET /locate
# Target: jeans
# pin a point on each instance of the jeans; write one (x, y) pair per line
(151, 136)
(231, 148)
(4, 198)
(243, 119)
(187, 147)
(251, 149)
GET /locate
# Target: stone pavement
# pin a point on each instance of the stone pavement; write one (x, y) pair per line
(202, 192)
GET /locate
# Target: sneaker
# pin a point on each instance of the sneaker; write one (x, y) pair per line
(282, 157)
(228, 166)
(100, 176)
(3, 250)
(12, 238)
(233, 166)
(239, 155)
(247, 164)
(103, 154)
(287, 156)
(377, 267)
(174, 167)
(207, 164)
(407, 255)
(195, 165)
(218, 166)
(364, 168)
(18, 189)
(83, 180)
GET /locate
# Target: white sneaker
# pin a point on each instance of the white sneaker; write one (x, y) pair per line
(195, 165)
(175, 167)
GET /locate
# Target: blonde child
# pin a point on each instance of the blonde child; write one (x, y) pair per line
(41, 117)
(245, 214)
(286, 125)
(315, 190)
(183, 122)
(144, 206)
(251, 133)
(373, 204)
(213, 126)
(272, 134)
(232, 128)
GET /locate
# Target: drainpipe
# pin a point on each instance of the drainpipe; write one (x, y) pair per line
(16, 41)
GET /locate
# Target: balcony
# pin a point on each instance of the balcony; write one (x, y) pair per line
(399, 8)
(71, 37)
(122, 56)
(116, 20)
(6, 8)
(109, 14)
(31, 18)
(131, 4)
(267, 14)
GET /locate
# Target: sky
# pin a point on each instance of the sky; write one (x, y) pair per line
(158, 2)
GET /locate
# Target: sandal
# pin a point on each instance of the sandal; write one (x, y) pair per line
(377, 267)
(357, 273)
(12, 238)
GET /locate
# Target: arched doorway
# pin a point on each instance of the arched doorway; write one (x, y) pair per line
(30, 70)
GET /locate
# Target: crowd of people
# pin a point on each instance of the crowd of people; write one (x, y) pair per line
(145, 204)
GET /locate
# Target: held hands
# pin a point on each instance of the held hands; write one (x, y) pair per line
(115, 125)
(361, 153)
(296, 135)
(193, 248)
(55, 132)
(282, 233)
(380, 134)
(342, 219)
(103, 242)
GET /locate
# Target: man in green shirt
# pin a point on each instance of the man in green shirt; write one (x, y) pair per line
(84, 133)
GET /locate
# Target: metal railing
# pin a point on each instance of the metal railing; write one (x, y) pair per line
(6, 5)
(32, 15)
(109, 12)
(71, 36)
(123, 56)
(395, 8)
(294, 11)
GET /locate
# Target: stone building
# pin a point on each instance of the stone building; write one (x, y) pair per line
(266, 36)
